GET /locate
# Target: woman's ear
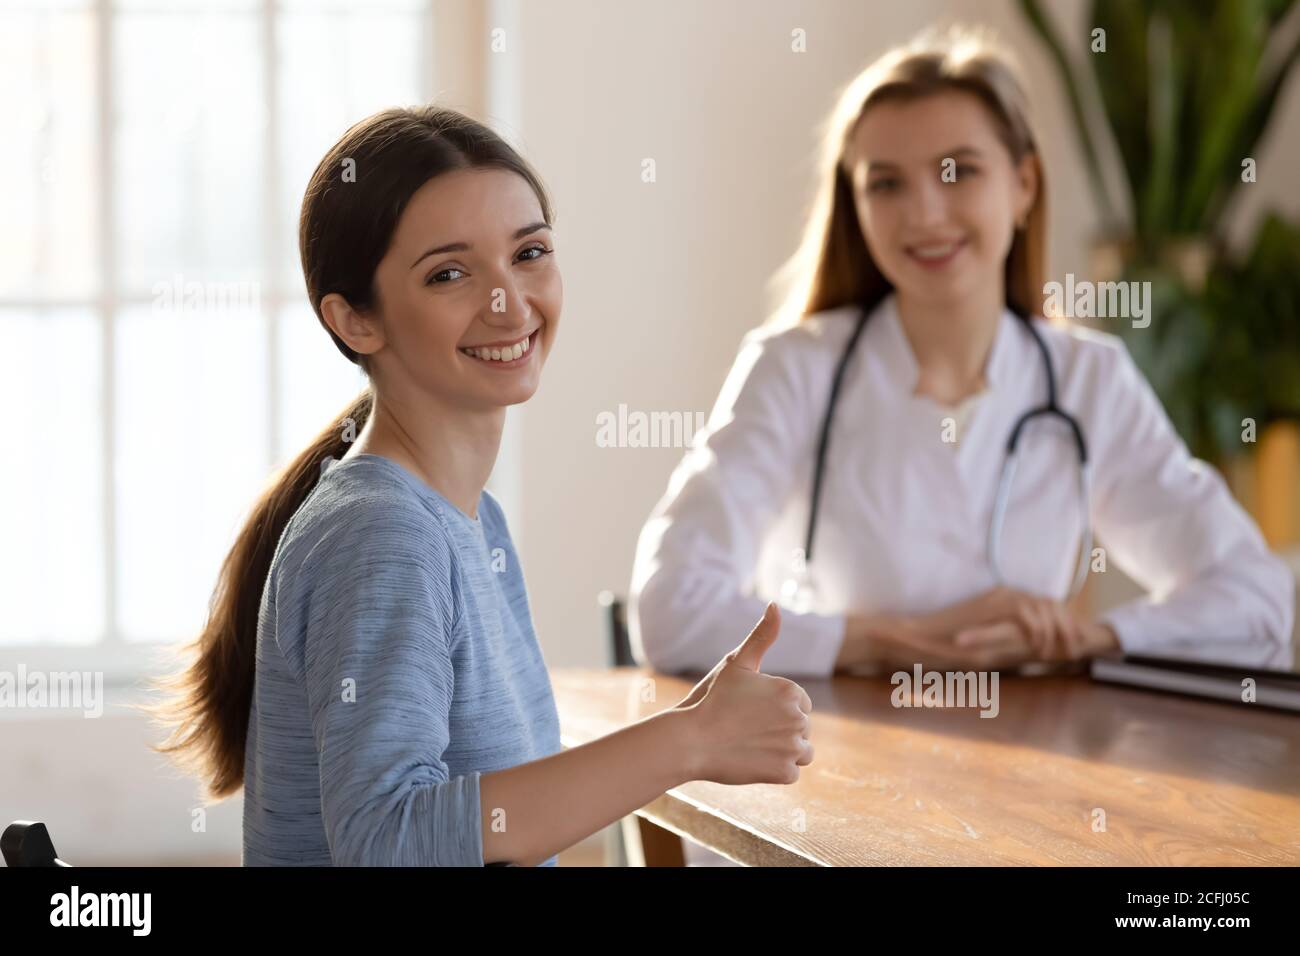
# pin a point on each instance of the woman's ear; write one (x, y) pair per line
(1028, 183)
(361, 333)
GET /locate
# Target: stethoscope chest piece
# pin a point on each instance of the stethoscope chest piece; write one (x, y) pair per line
(799, 590)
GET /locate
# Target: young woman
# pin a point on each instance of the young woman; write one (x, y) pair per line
(892, 525)
(369, 671)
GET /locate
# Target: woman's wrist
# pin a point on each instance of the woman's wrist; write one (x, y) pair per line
(680, 742)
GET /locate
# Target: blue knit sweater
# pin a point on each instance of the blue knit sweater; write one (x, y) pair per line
(396, 662)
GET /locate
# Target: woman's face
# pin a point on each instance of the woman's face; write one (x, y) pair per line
(470, 274)
(938, 239)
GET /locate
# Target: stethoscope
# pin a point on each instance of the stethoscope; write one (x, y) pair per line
(799, 592)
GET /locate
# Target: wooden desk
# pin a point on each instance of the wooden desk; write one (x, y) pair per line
(1181, 781)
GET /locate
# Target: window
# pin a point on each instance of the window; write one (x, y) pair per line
(162, 356)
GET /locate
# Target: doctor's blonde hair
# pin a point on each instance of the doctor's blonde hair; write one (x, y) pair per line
(833, 266)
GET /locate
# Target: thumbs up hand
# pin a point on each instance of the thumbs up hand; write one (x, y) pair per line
(749, 654)
(749, 727)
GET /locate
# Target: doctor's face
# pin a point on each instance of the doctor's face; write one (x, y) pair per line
(938, 195)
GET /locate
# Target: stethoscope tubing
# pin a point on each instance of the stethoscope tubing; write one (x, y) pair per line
(1050, 409)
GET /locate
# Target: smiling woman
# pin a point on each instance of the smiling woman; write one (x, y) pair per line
(470, 266)
(369, 672)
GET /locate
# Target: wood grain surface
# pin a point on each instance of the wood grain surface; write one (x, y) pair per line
(1180, 781)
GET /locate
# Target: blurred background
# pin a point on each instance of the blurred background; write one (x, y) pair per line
(163, 358)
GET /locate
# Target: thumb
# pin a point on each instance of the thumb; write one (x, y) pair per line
(750, 653)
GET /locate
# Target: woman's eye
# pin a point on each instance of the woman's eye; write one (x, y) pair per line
(882, 185)
(451, 273)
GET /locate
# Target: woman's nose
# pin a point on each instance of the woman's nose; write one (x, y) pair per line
(506, 307)
(929, 202)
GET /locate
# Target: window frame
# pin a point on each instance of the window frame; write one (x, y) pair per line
(120, 660)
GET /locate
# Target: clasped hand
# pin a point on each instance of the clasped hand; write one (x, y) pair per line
(1002, 627)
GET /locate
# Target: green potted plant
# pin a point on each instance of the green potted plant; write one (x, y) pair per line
(1184, 91)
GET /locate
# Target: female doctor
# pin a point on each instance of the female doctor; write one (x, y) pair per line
(855, 465)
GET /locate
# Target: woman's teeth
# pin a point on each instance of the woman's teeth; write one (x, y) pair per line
(505, 354)
(935, 250)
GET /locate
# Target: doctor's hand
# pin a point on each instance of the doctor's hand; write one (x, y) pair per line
(1005, 615)
(894, 641)
(746, 726)
(999, 628)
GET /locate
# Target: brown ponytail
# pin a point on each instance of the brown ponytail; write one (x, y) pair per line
(212, 696)
(349, 213)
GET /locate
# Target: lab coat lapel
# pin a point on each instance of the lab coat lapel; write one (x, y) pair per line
(932, 463)
(981, 451)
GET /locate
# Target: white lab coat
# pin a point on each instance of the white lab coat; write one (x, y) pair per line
(904, 514)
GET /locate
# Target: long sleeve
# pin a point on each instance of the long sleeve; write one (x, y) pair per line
(692, 599)
(1168, 521)
(379, 680)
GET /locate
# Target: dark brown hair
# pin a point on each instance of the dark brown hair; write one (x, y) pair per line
(350, 210)
(833, 266)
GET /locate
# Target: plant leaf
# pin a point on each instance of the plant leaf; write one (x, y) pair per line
(1038, 20)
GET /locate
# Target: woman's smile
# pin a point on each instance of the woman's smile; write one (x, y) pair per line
(935, 255)
(512, 353)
